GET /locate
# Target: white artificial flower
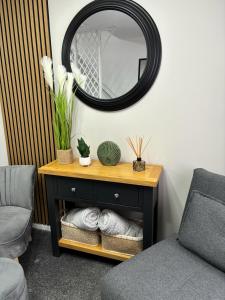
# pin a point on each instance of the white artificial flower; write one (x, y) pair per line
(69, 86)
(61, 76)
(76, 71)
(82, 82)
(46, 63)
(79, 77)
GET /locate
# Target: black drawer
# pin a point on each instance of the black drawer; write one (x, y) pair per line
(74, 188)
(117, 194)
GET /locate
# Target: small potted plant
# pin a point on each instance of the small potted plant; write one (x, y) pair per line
(84, 151)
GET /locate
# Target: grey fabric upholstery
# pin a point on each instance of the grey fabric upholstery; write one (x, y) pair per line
(12, 281)
(202, 228)
(16, 203)
(15, 226)
(17, 186)
(207, 183)
(164, 271)
(169, 271)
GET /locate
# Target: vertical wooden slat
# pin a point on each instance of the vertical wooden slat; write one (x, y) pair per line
(15, 77)
(39, 18)
(44, 28)
(44, 21)
(25, 100)
(21, 93)
(31, 91)
(6, 120)
(26, 105)
(40, 41)
(37, 96)
(5, 93)
(6, 55)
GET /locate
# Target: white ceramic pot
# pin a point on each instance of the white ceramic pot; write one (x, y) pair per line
(85, 161)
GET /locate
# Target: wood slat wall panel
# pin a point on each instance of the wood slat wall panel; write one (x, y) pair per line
(25, 100)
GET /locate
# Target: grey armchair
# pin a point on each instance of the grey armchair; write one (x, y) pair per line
(188, 266)
(16, 206)
(13, 285)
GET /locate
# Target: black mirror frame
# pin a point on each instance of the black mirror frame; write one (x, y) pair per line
(153, 43)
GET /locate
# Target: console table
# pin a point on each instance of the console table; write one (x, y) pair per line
(116, 187)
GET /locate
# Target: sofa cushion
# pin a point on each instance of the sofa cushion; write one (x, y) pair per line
(12, 281)
(207, 183)
(15, 223)
(202, 228)
(164, 271)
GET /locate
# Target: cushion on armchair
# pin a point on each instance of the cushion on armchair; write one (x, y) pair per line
(15, 225)
(16, 205)
(13, 284)
(17, 186)
(203, 222)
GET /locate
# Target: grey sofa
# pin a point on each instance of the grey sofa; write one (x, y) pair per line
(16, 205)
(188, 266)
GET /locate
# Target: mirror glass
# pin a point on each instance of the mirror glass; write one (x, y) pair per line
(109, 48)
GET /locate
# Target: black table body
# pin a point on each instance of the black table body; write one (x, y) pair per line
(118, 196)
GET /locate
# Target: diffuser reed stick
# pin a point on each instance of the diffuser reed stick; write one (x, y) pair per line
(138, 146)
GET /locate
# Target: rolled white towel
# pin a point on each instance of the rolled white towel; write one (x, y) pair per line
(84, 218)
(112, 223)
(134, 230)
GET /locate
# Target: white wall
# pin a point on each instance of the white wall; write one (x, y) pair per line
(184, 112)
(3, 151)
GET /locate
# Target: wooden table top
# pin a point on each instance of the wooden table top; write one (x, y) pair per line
(121, 173)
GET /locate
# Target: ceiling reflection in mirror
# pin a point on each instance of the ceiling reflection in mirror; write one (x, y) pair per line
(107, 49)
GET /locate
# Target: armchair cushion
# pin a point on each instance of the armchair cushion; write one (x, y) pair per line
(202, 228)
(15, 227)
(12, 280)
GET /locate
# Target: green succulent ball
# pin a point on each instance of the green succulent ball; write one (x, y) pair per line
(109, 153)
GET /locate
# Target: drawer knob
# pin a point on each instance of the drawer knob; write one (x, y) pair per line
(116, 195)
(73, 189)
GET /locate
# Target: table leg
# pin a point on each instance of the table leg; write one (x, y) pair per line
(155, 198)
(54, 217)
(150, 216)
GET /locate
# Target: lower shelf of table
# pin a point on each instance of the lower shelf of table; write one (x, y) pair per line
(96, 250)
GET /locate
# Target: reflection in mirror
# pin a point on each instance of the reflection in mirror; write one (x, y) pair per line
(107, 48)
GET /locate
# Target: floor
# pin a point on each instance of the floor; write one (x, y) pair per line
(73, 275)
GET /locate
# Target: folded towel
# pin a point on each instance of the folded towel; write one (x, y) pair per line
(84, 218)
(113, 224)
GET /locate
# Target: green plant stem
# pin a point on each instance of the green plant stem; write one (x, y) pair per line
(62, 119)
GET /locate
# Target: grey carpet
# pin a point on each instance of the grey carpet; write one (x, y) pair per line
(73, 275)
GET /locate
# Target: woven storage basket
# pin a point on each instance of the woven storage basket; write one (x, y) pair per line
(71, 232)
(121, 243)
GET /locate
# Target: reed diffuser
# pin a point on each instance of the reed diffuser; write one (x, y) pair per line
(138, 146)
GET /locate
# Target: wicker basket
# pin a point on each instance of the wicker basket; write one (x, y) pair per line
(121, 243)
(71, 232)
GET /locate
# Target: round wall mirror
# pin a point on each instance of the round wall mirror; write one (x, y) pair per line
(116, 47)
